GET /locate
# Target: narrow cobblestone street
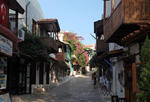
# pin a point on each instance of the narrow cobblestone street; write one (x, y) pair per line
(78, 89)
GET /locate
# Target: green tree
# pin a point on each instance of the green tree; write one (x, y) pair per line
(93, 62)
(33, 47)
(144, 83)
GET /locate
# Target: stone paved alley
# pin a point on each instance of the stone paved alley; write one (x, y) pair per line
(78, 89)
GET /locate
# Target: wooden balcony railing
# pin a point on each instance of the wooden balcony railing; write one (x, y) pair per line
(50, 43)
(101, 46)
(127, 13)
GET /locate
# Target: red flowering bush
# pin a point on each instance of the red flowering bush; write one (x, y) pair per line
(77, 48)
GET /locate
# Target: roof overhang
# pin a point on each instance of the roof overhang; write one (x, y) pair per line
(14, 5)
(51, 25)
(113, 53)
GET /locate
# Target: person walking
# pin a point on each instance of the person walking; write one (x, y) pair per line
(94, 79)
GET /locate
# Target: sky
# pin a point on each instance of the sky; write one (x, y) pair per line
(75, 16)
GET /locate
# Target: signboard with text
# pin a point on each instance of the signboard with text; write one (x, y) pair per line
(6, 46)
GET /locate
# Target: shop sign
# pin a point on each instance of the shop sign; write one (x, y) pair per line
(6, 46)
(3, 13)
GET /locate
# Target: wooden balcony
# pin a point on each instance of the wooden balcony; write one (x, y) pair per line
(127, 18)
(98, 28)
(50, 43)
(101, 47)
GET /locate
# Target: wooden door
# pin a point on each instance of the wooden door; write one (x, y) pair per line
(128, 82)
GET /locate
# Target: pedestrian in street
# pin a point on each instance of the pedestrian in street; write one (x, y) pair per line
(94, 79)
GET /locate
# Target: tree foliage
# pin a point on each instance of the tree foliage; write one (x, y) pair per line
(33, 47)
(144, 83)
(93, 61)
(77, 48)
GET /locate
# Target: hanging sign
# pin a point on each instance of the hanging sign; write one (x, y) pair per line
(6, 46)
(3, 13)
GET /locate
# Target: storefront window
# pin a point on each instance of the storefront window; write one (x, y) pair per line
(3, 72)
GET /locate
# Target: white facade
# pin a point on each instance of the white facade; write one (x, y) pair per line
(134, 49)
(118, 78)
(109, 6)
(118, 73)
(118, 69)
(33, 12)
(116, 2)
(61, 36)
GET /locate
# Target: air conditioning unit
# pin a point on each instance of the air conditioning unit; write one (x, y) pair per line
(21, 35)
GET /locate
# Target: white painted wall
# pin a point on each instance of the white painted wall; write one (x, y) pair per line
(108, 8)
(37, 74)
(61, 36)
(116, 2)
(134, 49)
(117, 87)
(34, 12)
(114, 46)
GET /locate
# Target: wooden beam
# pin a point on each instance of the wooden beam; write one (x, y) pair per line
(134, 83)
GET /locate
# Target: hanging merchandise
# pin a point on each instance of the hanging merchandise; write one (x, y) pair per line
(3, 72)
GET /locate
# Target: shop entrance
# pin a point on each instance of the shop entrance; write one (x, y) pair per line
(19, 80)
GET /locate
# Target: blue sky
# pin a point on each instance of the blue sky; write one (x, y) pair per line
(75, 15)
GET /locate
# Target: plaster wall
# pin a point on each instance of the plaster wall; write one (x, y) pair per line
(118, 79)
(108, 8)
(116, 2)
(134, 49)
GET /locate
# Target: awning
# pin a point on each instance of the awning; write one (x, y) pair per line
(113, 53)
(8, 34)
(14, 5)
(51, 25)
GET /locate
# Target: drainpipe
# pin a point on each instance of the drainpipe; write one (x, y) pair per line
(27, 13)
